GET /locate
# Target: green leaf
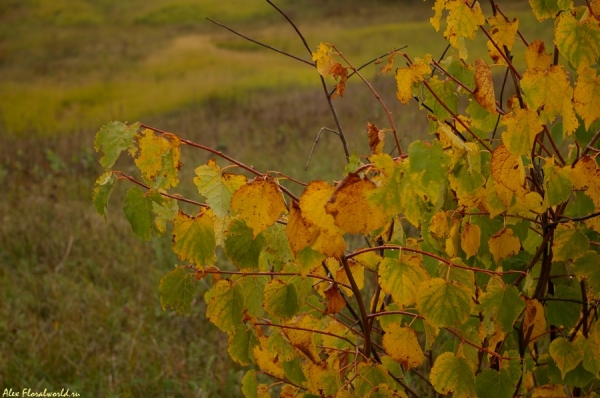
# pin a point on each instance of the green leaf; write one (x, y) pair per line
(444, 303)
(354, 163)
(293, 371)
(164, 211)
(446, 91)
(137, 207)
(401, 279)
(241, 248)
(280, 344)
(241, 345)
(580, 206)
(225, 305)
(564, 313)
(503, 304)
(250, 385)
(566, 354)
(281, 299)
(454, 375)
(194, 238)
(308, 260)
(177, 289)
(217, 187)
(578, 377)
(493, 384)
(569, 242)
(372, 375)
(102, 190)
(429, 168)
(587, 267)
(114, 138)
(579, 42)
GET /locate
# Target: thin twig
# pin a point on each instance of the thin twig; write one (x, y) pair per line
(262, 44)
(315, 144)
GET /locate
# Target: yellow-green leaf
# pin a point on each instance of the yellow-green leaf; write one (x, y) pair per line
(544, 9)
(281, 299)
(587, 267)
(401, 279)
(451, 374)
(102, 190)
(522, 125)
(259, 202)
(566, 354)
(503, 33)
(137, 207)
(578, 41)
(444, 303)
(217, 187)
(194, 238)
(463, 22)
(548, 90)
(557, 183)
(569, 242)
(536, 56)
(225, 305)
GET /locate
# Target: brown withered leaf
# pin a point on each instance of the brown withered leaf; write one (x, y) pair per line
(376, 139)
(335, 301)
(338, 71)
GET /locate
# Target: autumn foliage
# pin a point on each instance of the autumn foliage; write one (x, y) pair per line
(479, 271)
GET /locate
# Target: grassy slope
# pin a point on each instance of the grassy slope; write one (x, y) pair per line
(79, 304)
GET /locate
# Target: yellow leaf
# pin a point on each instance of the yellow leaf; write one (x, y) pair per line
(330, 241)
(508, 173)
(407, 78)
(350, 209)
(324, 59)
(587, 95)
(484, 87)
(298, 230)
(453, 238)
(376, 139)
(259, 203)
(267, 359)
(548, 390)
(534, 320)
(470, 239)
(503, 32)
(577, 41)
(403, 346)
(438, 7)
(194, 238)
(536, 57)
(522, 126)
(586, 175)
(438, 226)
(158, 159)
(504, 244)
(463, 21)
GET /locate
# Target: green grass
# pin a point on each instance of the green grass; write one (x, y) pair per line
(80, 304)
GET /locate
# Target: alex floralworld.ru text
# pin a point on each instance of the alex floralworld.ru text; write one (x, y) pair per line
(27, 392)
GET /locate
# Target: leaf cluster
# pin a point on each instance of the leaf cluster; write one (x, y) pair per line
(479, 274)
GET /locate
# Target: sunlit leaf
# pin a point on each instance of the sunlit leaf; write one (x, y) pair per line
(444, 303)
(177, 289)
(113, 139)
(259, 203)
(451, 374)
(408, 78)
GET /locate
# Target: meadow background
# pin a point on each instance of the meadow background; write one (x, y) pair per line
(79, 304)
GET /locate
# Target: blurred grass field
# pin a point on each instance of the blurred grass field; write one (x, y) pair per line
(80, 306)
